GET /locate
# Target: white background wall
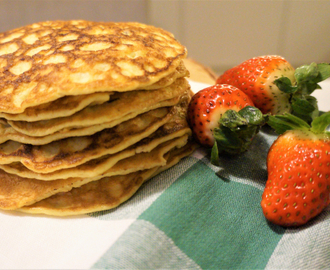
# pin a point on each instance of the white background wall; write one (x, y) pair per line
(219, 33)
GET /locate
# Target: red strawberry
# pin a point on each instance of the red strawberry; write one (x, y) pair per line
(213, 117)
(255, 77)
(298, 164)
(207, 107)
(276, 87)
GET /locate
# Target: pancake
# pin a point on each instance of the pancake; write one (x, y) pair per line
(8, 133)
(69, 105)
(100, 195)
(45, 61)
(139, 102)
(181, 71)
(61, 107)
(88, 112)
(74, 151)
(104, 194)
(100, 165)
(17, 191)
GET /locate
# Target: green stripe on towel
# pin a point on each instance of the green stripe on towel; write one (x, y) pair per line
(228, 231)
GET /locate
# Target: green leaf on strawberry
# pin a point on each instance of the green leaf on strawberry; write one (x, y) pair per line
(321, 123)
(306, 82)
(285, 85)
(305, 107)
(236, 131)
(282, 123)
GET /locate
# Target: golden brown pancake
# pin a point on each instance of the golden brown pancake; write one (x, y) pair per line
(100, 165)
(123, 104)
(69, 105)
(71, 152)
(45, 61)
(104, 194)
(88, 112)
(74, 151)
(61, 107)
(17, 191)
(8, 133)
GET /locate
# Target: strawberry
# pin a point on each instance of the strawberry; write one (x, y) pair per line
(298, 165)
(276, 87)
(256, 76)
(224, 118)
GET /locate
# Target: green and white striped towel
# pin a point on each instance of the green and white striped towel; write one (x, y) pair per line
(192, 216)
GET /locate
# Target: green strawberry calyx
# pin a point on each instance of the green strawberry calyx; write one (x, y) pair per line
(307, 79)
(287, 121)
(236, 131)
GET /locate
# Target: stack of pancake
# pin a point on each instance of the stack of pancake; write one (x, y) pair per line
(88, 112)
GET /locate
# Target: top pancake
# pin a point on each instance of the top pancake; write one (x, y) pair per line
(45, 61)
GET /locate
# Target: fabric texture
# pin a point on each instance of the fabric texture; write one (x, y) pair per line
(210, 218)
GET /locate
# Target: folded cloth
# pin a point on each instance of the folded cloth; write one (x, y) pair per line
(192, 216)
(205, 217)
